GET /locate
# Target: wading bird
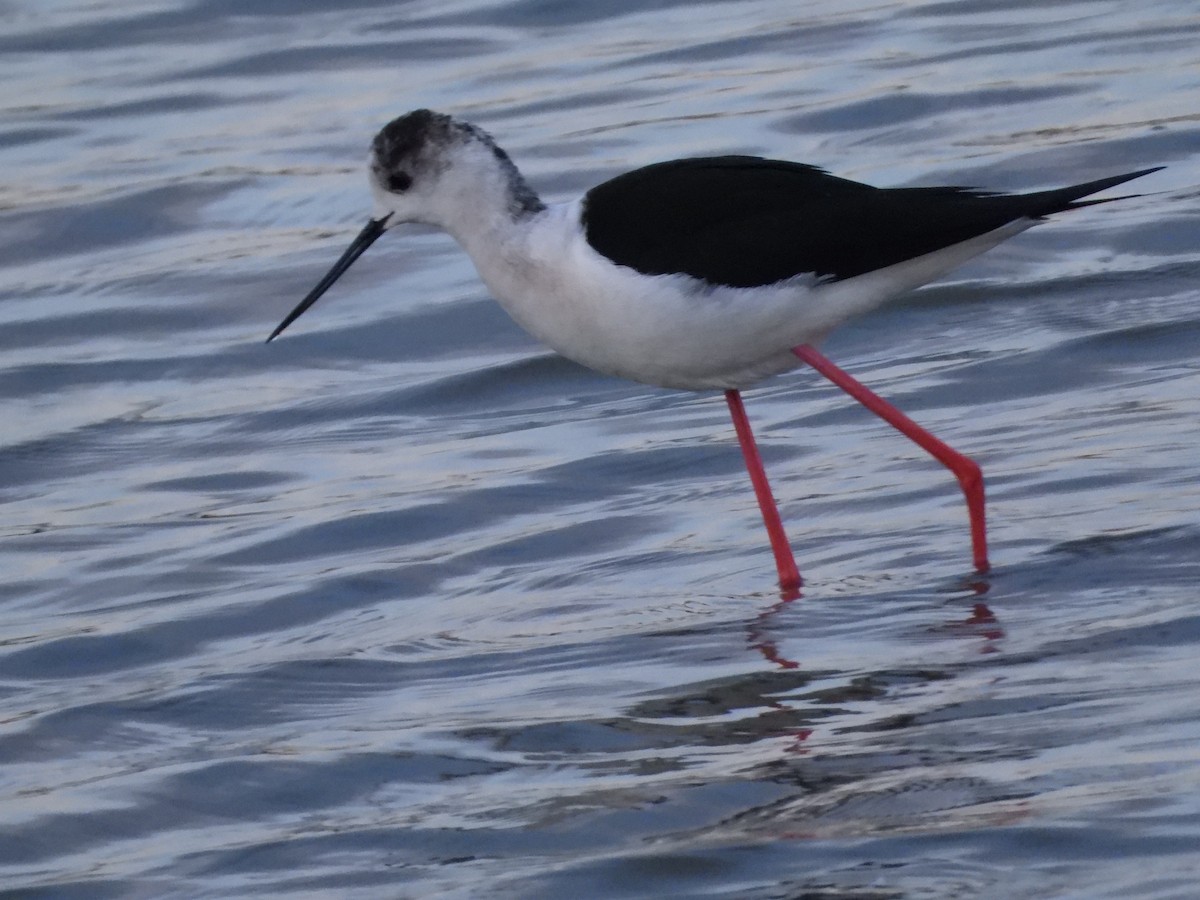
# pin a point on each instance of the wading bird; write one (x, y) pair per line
(709, 273)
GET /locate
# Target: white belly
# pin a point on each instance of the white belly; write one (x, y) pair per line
(674, 330)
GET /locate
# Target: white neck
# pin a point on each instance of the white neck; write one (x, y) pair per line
(485, 205)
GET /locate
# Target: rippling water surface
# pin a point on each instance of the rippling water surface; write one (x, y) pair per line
(403, 605)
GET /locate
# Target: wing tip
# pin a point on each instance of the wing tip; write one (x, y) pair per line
(1075, 192)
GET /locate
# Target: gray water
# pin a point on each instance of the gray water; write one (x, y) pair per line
(403, 605)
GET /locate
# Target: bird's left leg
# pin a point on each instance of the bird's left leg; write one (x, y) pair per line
(965, 469)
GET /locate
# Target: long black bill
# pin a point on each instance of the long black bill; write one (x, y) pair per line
(358, 246)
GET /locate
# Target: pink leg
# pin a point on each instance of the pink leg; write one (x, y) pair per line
(789, 575)
(965, 469)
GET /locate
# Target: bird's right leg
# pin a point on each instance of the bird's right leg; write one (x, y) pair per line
(789, 575)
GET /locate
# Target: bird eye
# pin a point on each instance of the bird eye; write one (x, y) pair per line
(399, 182)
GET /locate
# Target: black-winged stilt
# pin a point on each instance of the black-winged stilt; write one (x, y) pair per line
(697, 274)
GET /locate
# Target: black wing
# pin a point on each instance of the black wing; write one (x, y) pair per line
(744, 221)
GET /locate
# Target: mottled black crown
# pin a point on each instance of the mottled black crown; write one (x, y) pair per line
(419, 143)
(413, 139)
